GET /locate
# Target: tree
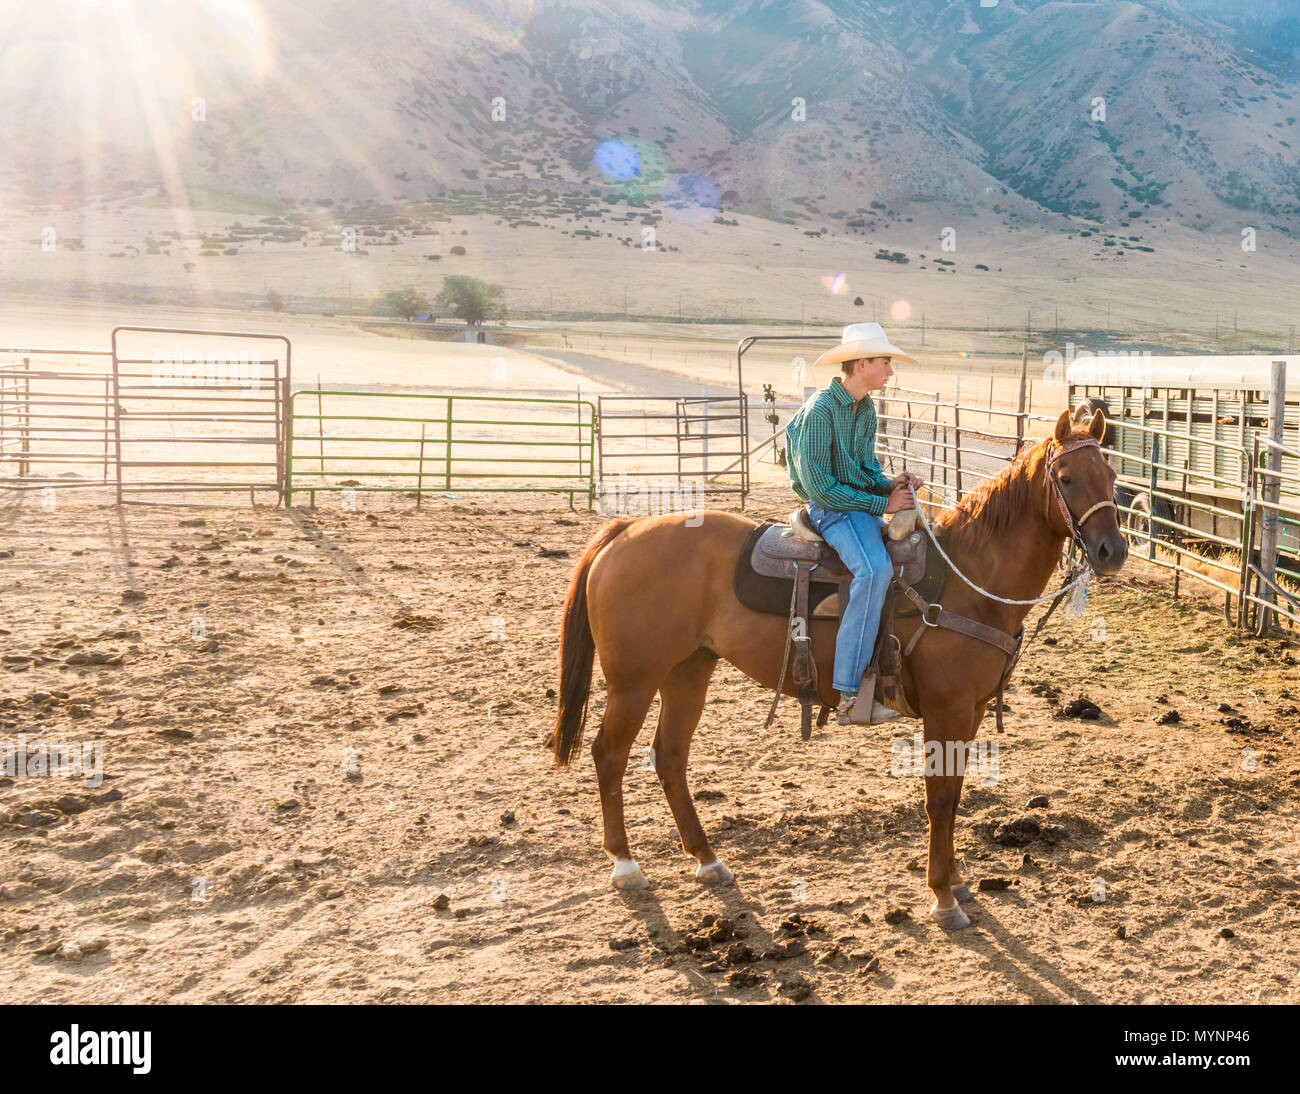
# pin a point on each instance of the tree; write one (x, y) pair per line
(275, 301)
(470, 299)
(405, 303)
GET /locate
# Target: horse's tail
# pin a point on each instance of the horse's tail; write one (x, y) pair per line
(577, 652)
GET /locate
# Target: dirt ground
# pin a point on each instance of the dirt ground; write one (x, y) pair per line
(324, 782)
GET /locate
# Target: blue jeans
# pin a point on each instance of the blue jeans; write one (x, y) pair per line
(857, 538)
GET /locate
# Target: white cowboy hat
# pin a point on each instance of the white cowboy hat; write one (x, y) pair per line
(862, 340)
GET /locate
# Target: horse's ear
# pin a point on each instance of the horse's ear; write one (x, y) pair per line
(1080, 412)
(1097, 427)
(1063, 426)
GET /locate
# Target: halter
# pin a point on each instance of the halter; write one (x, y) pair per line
(1073, 525)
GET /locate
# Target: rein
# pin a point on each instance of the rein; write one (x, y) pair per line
(1080, 573)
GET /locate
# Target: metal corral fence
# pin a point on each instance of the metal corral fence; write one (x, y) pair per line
(1209, 480)
(145, 424)
(1233, 530)
(199, 418)
(56, 419)
(685, 445)
(366, 441)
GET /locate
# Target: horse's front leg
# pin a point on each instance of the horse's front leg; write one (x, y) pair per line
(947, 733)
(960, 890)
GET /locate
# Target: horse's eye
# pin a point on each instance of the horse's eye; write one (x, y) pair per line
(1065, 480)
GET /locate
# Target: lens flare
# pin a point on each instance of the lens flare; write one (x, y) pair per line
(900, 310)
(836, 283)
(617, 161)
(691, 199)
(636, 168)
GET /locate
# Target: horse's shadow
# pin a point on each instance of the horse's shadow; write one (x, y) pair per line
(737, 906)
(1030, 972)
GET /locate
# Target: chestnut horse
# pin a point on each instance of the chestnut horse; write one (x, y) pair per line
(653, 596)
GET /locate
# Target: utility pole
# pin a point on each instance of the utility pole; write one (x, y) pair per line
(923, 328)
(624, 300)
(1291, 349)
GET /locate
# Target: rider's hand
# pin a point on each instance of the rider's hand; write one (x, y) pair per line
(906, 478)
(899, 500)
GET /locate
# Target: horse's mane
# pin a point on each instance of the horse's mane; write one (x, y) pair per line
(994, 505)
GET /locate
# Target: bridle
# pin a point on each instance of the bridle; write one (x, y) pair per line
(1073, 524)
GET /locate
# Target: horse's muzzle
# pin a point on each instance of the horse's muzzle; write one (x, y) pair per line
(1109, 553)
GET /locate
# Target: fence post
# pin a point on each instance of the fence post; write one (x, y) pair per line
(419, 479)
(591, 456)
(934, 437)
(1272, 492)
(1151, 498)
(956, 435)
(117, 417)
(279, 425)
(24, 464)
(288, 446)
(320, 425)
(447, 454)
(1178, 532)
(1247, 530)
(1020, 404)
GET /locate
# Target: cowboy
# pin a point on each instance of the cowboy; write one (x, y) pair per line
(831, 445)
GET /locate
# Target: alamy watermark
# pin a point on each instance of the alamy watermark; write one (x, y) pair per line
(58, 759)
(187, 368)
(646, 498)
(921, 757)
(1113, 368)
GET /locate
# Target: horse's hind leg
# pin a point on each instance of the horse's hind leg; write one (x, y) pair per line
(682, 702)
(625, 710)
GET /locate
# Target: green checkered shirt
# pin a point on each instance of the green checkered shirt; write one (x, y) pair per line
(831, 452)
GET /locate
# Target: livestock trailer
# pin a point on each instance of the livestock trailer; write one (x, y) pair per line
(1182, 438)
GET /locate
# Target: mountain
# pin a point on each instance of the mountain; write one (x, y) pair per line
(1030, 110)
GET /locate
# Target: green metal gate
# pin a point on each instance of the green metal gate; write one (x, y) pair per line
(453, 444)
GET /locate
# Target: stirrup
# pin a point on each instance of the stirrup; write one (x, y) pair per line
(867, 710)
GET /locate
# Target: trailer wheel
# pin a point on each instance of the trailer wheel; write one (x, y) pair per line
(1094, 404)
(1124, 499)
(1140, 523)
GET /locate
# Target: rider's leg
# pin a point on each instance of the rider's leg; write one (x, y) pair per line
(858, 540)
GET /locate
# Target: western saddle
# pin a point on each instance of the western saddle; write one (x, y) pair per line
(787, 569)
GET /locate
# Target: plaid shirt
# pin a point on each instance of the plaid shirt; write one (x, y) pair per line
(831, 452)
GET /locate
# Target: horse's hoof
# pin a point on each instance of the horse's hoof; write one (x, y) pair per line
(715, 873)
(627, 875)
(961, 893)
(950, 919)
